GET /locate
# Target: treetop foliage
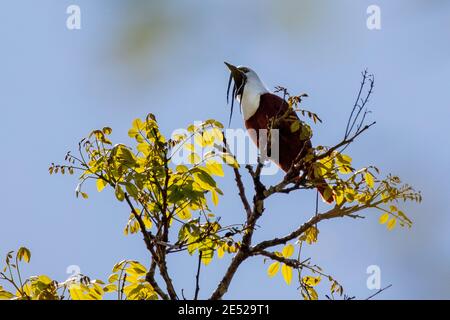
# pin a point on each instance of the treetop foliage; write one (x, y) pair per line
(172, 207)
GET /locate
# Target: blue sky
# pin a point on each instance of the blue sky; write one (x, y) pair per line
(135, 57)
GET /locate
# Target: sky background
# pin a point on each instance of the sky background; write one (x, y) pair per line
(135, 57)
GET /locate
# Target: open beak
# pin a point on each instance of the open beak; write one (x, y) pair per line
(234, 70)
(236, 75)
(238, 88)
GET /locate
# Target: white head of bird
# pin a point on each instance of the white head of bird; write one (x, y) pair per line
(247, 89)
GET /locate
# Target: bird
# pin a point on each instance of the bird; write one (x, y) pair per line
(259, 106)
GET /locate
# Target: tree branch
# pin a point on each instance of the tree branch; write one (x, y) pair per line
(150, 277)
(330, 214)
(149, 243)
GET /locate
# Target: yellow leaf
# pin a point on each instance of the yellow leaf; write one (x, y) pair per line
(214, 168)
(343, 159)
(189, 147)
(312, 294)
(286, 271)
(181, 168)
(199, 140)
(113, 278)
(24, 254)
(311, 281)
(208, 139)
(147, 222)
(339, 197)
(101, 184)
(119, 265)
(288, 251)
(214, 197)
(310, 235)
(110, 288)
(391, 224)
(384, 218)
(349, 195)
(194, 158)
(207, 256)
(5, 295)
(273, 269)
(220, 252)
(135, 268)
(217, 134)
(230, 160)
(185, 214)
(369, 180)
(393, 208)
(76, 293)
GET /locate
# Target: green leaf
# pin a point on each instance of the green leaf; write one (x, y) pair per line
(295, 126)
(132, 189)
(120, 195)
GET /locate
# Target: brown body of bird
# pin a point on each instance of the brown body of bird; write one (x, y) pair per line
(259, 107)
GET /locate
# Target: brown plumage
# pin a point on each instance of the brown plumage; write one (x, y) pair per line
(290, 145)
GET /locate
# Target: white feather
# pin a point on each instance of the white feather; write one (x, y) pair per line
(253, 90)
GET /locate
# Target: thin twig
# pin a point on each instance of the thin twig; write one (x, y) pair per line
(379, 291)
(197, 277)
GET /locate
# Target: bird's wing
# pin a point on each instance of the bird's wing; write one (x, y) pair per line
(290, 144)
